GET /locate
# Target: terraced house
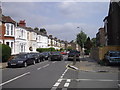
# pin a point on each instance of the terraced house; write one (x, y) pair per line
(8, 32)
(42, 38)
(21, 38)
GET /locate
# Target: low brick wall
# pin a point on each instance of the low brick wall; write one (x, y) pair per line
(98, 53)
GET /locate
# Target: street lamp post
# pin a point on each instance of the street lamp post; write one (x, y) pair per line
(82, 45)
(83, 50)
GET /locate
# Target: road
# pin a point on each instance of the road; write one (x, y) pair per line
(54, 75)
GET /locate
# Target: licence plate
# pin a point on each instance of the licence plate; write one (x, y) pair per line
(13, 64)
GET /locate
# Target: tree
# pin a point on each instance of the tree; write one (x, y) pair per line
(81, 39)
(42, 30)
(88, 44)
(69, 48)
(36, 28)
(93, 40)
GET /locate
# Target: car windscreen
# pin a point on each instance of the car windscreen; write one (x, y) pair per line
(116, 54)
(20, 56)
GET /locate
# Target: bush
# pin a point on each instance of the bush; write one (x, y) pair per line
(87, 52)
(51, 49)
(45, 49)
(6, 52)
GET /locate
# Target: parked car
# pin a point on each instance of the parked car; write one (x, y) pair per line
(37, 57)
(64, 53)
(56, 56)
(72, 53)
(22, 60)
(112, 57)
(46, 55)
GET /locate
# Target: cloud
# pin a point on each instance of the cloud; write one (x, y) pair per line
(60, 19)
(79, 10)
(25, 11)
(68, 31)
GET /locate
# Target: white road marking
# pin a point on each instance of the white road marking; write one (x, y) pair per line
(56, 84)
(119, 85)
(103, 80)
(45, 65)
(42, 67)
(64, 73)
(61, 76)
(14, 78)
(53, 88)
(39, 68)
(54, 62)
(66, 84)
(59, 80)
(68, 80)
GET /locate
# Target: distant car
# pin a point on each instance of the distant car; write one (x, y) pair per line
(21, 60)
(56, 56)
(72, 53)
(112, 57)
(46, 55)
(63, 53)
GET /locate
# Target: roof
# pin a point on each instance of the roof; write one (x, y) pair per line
(32, 30)
(8, 19)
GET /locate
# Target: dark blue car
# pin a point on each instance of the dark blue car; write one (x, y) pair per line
(112, 57)
(21, 60)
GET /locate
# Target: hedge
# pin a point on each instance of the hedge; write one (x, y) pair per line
(45, 49)
(6, 52)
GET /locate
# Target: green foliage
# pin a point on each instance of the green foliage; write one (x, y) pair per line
(36, 28)
(88, 44)
(87, 52)
(61, 49)
(69, 48)
(93, 40)
(6, 52)
(81, 38)
(51, 49)
(45, 49)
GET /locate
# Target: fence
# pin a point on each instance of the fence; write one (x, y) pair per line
(98, 53)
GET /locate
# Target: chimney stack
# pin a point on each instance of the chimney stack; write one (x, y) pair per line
(22, 23)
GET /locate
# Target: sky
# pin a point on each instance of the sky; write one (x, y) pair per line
(60, 19)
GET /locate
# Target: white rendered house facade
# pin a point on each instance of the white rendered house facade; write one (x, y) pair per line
(21, 40)
(42, 41)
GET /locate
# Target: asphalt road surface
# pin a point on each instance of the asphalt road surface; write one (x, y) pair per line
(54, 75)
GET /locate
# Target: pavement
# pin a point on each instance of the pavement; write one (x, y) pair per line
(88, 64)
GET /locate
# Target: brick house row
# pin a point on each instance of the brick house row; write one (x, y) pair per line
(25, 39)
(109, 35)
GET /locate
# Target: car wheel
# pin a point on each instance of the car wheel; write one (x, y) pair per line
(34, 62)
(39, 61)
(25, 64)
(43, 59)
(107, 63)
(49, 59)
